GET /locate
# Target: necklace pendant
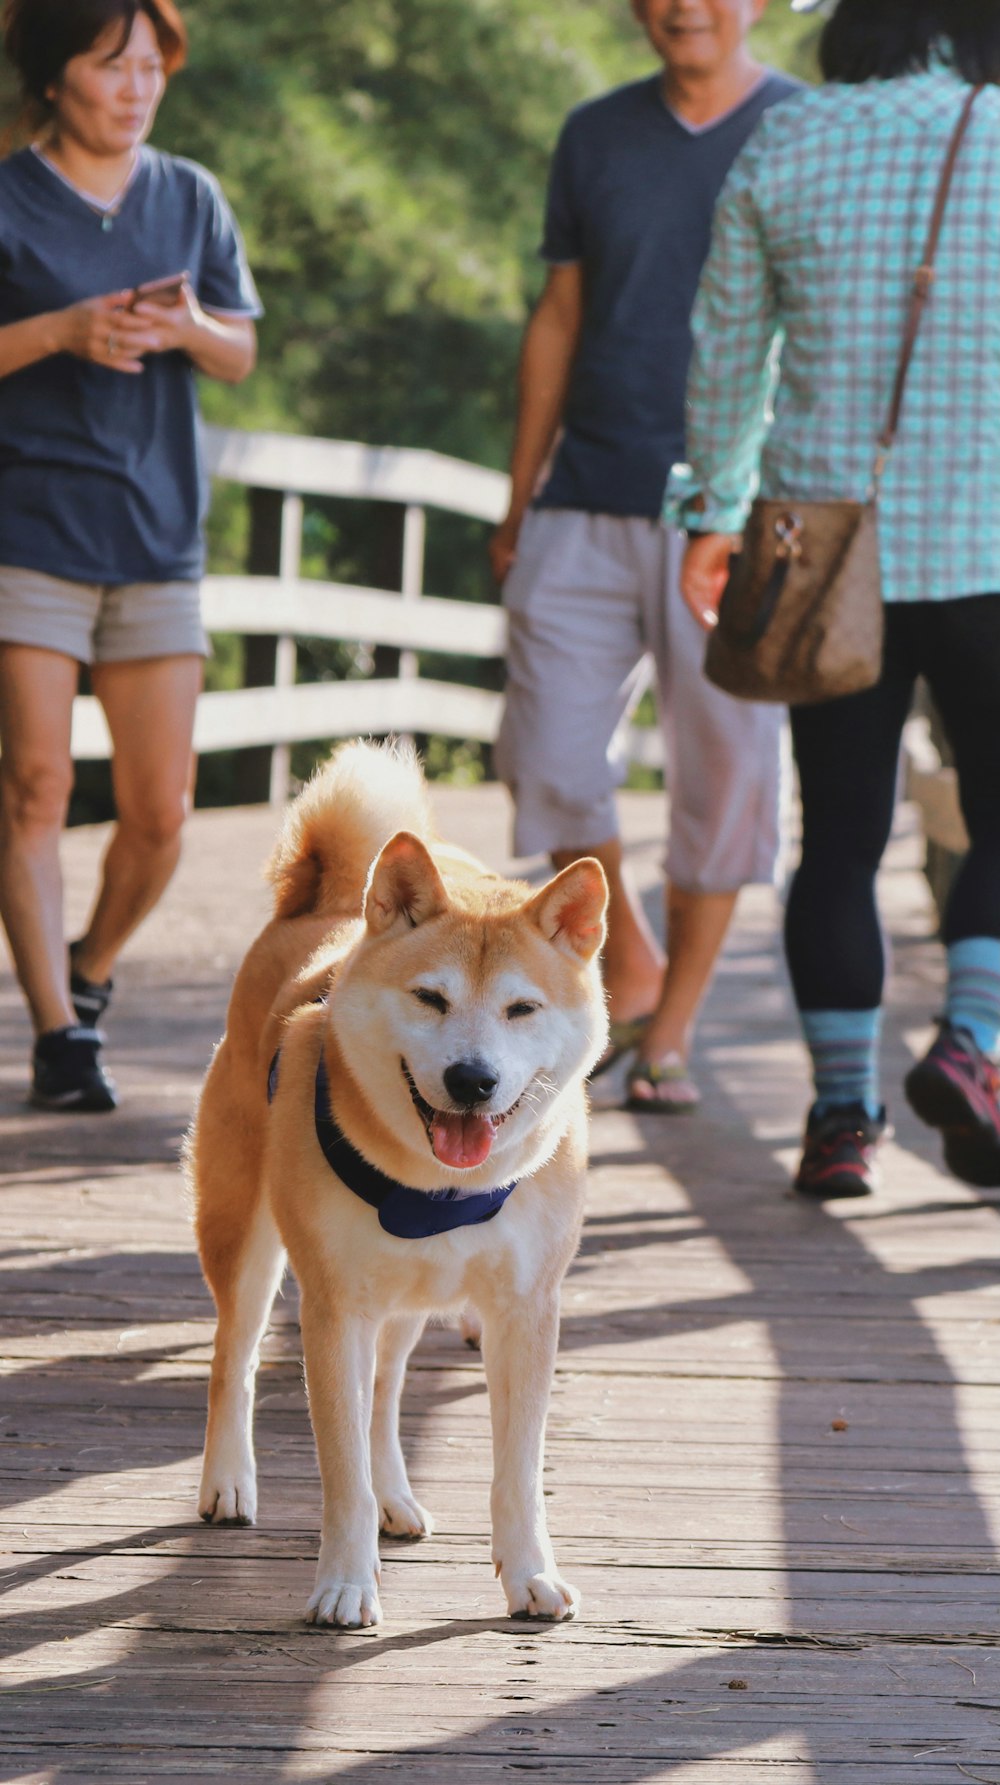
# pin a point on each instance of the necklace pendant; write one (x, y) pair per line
(106, 224)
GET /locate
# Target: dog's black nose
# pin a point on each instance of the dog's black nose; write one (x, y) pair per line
(470, 1081)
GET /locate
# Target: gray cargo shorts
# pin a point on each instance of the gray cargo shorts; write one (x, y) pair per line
(589, 599)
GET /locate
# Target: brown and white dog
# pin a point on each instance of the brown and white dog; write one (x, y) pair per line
(399, 1104)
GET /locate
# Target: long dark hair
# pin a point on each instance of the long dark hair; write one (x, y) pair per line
(41, 36)
(868, 40)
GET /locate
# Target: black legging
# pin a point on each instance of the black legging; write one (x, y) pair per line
(847, 752)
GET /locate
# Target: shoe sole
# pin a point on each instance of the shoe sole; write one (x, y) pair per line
(971, 1145)
(73, 1102)
(835, 1187)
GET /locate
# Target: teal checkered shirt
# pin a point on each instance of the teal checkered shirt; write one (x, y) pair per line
(799, 322)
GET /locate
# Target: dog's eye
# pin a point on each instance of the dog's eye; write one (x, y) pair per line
(433, 1000)
(521, 1008)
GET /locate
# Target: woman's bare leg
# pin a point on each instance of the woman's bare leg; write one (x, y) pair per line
(150, 708)
(36, 777)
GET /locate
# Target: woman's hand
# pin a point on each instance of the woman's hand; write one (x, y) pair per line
(103, 331)
(173, 327)
(222, 347)
(705, 573)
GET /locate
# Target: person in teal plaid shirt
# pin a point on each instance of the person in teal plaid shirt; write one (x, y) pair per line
(798, 326)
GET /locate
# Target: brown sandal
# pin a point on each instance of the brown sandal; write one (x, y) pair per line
(623, 1038)
(668, 1089)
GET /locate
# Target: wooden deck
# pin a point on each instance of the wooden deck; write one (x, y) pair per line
(773, 1452)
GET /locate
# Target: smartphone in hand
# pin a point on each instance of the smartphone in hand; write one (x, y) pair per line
(159, 291)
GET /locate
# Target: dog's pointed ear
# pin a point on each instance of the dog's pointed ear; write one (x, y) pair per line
(404, 886)
(570, 910)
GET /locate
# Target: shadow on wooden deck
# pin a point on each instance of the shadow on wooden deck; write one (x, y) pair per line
(772, 1457)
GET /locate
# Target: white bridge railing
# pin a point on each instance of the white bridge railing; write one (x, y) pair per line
(273, 605)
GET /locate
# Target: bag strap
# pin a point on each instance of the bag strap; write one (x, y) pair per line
(922, 282)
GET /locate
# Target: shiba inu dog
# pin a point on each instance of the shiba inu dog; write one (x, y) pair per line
(398, 1103)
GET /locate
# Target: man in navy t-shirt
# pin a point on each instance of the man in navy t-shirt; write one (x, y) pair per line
(589, 573)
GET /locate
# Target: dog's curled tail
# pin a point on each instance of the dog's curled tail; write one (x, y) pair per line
(336, 826)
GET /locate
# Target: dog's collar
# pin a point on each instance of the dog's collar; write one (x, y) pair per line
(407, 1213)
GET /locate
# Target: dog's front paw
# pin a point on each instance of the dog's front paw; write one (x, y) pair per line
(541, 1596)
(228, 1495)
(345, 1604)
(400, 1515)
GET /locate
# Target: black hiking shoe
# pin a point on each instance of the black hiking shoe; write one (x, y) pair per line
(838, 1157)
(90, 997)
(956, 1088)
(68, 1073)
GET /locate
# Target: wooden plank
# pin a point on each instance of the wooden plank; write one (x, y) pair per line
(314, 609)
(772, 1455)
(236, 718)
(313, 467)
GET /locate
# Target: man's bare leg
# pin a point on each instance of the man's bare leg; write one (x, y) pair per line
(696, 929)
(632, 962)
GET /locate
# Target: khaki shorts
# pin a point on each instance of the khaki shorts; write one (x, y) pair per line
(590, 598)
(101, 622)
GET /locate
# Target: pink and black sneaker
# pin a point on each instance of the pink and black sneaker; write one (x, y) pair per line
(956, 1088)
(838, 1157)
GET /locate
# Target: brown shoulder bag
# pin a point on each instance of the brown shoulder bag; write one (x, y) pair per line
(801, 617)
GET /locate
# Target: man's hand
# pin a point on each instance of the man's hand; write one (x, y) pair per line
(705, 573)
(503, 545)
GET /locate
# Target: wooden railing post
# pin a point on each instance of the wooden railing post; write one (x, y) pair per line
(412, 574)
(400, 564)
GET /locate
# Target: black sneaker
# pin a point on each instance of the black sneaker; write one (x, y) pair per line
(90, 997)
(956, 1088)
(68, 1073)
(838, 1157)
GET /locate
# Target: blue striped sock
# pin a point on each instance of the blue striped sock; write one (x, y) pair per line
(973, 1000)
(844, 1049)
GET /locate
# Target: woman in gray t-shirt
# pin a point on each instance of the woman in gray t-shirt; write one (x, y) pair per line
(101, 488)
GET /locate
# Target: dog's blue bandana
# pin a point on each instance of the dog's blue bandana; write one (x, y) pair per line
(407, 1213)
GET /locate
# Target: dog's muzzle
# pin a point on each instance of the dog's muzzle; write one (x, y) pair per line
(461, 1137)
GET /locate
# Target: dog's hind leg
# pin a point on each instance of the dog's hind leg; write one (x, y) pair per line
(519, 1352)
(244, 1287)
(400, 1514)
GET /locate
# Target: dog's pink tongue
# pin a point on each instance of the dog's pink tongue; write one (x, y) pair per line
(463, 1141)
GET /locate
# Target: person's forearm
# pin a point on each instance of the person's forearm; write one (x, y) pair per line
(546, 363)
(25, 343)
(222, 349)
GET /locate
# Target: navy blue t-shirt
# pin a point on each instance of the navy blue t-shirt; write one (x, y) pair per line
(100, 471)
(631, 195)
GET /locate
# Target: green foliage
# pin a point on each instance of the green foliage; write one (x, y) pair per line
(387, 160)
